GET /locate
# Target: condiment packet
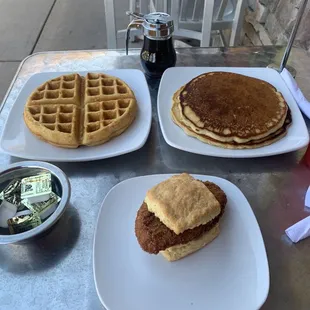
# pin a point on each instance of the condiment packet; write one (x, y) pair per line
(22, 223)
(11, 188)
(12, 193)
(24, 212)
(7, 211)
(44, 208)
(25, 203)
(36, 188)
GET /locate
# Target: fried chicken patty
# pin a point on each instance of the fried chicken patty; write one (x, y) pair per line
(154, 236)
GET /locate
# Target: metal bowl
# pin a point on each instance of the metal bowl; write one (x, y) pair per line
(61, 187)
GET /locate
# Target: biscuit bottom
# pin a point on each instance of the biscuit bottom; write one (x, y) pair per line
(181, 250)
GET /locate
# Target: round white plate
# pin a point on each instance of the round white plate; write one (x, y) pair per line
(230, 273)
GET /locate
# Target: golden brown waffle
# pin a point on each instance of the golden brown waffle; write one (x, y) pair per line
(56, 124)
(103, 87)
(58, 113)
(106, 119)
(65, 89)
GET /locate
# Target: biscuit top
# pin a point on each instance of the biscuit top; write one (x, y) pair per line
(182, 203)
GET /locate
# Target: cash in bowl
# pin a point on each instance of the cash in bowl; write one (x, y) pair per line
(60, 187)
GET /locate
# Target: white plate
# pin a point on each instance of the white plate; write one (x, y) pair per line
(174, 78)
(230, 273)
(18, 141)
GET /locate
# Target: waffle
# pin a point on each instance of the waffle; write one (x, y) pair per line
(103, 87)
(71, 110)
(105, 119)
(65, 89)
(56, 124)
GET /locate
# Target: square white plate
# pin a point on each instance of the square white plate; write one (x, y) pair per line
(230, 273)
(17, 140)
(173, 78)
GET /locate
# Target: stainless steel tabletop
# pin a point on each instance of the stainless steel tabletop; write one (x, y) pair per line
(55, 271)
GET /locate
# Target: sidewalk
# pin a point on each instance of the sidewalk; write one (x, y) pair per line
(29, 26)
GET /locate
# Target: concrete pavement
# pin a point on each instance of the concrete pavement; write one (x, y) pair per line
(29, 26)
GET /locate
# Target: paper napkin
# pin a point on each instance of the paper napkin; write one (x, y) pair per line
(300, 230)
(307, 198)
(290, 82)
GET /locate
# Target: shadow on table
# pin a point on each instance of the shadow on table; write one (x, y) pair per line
(47, 250)
(178, 160)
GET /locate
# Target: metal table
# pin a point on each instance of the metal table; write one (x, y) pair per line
(55, 271)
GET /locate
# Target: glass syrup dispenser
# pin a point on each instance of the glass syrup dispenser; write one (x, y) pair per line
(157, 53)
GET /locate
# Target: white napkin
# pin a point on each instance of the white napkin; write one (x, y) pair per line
(307, 198)
(300, 230)
(302, 102)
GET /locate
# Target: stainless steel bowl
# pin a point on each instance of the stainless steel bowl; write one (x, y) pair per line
(61, 188)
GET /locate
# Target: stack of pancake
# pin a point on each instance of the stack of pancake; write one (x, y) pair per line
(230, 110)
(179, 216)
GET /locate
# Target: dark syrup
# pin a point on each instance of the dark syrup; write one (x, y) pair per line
(156, 56)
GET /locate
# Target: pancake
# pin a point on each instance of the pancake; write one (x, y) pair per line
(154, 236)
(272, 138)
(230, 107)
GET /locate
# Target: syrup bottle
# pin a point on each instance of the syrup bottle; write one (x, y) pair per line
(157, 53)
